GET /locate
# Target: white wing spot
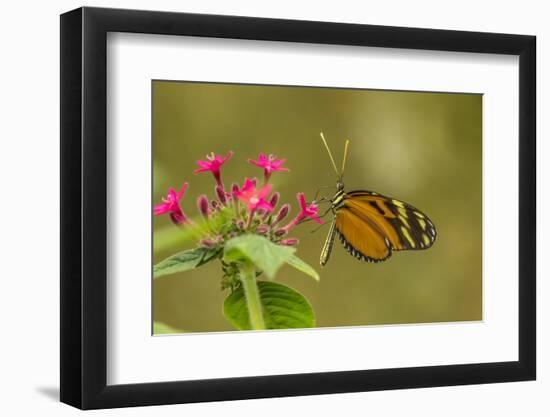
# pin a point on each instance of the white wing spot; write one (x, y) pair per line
(422, 224)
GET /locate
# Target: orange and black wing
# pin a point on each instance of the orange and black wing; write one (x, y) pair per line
(371, 226)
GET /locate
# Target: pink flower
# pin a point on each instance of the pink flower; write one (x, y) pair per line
(269, 164)
(254, 198)
(171, 206)
(307, 211)
(213, 164)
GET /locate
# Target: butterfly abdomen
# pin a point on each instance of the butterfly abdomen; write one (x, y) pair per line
(329, 243)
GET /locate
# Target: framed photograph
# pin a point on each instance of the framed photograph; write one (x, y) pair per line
(259, 208)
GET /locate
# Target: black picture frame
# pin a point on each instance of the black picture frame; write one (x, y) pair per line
(84, 207)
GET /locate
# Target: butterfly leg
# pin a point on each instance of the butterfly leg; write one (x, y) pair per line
(321, 216)
(317, 228)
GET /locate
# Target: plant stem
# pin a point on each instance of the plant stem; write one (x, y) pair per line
(252, 294)
(250, 217)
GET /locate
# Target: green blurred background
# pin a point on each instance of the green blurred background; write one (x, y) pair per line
(423, 148)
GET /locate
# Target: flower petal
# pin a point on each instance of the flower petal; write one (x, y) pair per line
(229, 155)
(302, 201)
(265, 191)
(257, 163)
(316, 218)
(264, 205)
(182, 191)
(204, 164)
(248, 185)
(161, 209)
(277, 163)
(172, 194)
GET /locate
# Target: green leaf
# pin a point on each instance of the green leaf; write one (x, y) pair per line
(184, 261)
(264, 254)
(162, 328)
(283, 308)
(300, 265)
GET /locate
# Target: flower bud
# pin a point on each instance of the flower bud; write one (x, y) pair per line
(289, 242)
(280, 232)
(178, 218)
(262, 229)
(240, 224)
(208, 243)
(220, 192)
(202, 203)
(283, 212)
(274, 199)
(273, 202)
(235, 188)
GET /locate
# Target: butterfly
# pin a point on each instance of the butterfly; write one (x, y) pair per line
(372, 226)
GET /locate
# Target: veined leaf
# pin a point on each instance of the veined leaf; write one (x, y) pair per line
(300, 265)
(264, 254)
(184, 261)
(283, 308)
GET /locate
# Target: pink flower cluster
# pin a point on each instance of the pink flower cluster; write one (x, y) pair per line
(253, 205)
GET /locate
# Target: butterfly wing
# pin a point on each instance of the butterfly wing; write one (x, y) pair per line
(360, 237)
(371, 226)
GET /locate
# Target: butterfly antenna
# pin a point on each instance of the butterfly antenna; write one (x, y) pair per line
(330, 154)
(346, 146)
